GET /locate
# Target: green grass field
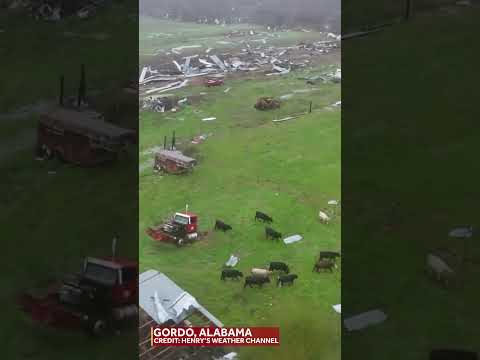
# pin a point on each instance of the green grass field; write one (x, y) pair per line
(289, 170)
(408, 122)
(51, 221)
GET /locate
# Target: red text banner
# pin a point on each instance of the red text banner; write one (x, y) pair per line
(211, 336)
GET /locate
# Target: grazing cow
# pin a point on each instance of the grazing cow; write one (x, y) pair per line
(329, 255)
(440, 270)
(220, 225)
(270, 233)
(286, 279)
(231, 273)
(324, 218)
(261, 272)
(324, 265)
(264, 217)
(279, 266)
(255, 280)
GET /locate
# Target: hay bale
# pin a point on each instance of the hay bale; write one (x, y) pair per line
(267, 103)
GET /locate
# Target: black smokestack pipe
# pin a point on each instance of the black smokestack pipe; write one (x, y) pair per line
(165, 143)
(60, 96)
(173, 141)
(408, 9)
(82, 87)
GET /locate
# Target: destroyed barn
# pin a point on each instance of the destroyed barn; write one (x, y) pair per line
(164, 303)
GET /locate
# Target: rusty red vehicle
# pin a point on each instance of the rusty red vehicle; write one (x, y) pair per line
(79, 135)
(214, 82)
(180, 229)
(173, 162)
(101, 297)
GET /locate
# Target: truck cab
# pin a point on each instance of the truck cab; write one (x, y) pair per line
(186, 220)
(116, 279)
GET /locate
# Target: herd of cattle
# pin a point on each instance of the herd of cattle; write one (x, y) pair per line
(260, 277)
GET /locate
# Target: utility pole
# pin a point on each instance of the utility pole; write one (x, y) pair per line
(408, 10)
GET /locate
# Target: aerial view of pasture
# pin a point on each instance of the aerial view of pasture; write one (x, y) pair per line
(239, 174)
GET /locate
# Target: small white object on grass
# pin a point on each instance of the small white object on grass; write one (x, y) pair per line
(363, 320)
(333, 202)
(209, 119)
(232, 261)
(337, 308)
(461, 232)
(292, 239)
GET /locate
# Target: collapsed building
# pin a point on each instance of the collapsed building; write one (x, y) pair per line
(164, 303)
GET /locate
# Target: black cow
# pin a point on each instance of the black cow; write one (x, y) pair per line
(276, 265)
(231, 273)
(264, 217)
(220, 225)
(324, 265)
(270, 233)
(256, 280)
(286, 279)
(330, 255)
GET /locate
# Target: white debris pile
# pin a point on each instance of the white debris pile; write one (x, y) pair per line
(158, 104)
(255, 55)
(200, 138)
(292, 239)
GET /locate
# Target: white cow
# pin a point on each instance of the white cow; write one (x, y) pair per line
(324, 218)
(261, 272)
(439, 269)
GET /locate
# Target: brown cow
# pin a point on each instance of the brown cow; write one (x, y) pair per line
(324, 265)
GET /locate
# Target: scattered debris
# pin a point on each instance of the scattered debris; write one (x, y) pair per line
(291, 117)
(286, 96)
(461, 232)
(200, 139)
(230, 356)
(292, 239)
(366, 319)
(332, 202)
(159, 104)
(209, 119)
(227, 90)
(337, 308)
(180, 48)
(172, 86)
(267, 103)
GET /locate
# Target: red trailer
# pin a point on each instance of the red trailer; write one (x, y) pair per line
(182, 228)
(102, 296)
(173, 162)
(80, 137)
